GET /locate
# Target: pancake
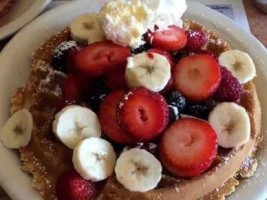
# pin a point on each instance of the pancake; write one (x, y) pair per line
(46, 158)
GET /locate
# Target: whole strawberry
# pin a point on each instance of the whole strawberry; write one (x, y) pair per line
(195, 40)
(71, 186)
(229, 89)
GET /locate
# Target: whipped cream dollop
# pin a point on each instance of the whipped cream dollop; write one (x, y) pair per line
(125, 21)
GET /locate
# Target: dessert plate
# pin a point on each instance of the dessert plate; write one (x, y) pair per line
(15, 62)
(20, 14)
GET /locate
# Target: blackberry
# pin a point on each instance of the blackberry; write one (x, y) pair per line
(60, 55)
(179, 55)
(176, 99)
(143, 48)
(97, 96)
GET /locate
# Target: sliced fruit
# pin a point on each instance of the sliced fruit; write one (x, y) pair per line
(239, 64)
(195, 40)
(171, 39)
(229, 89)
(138, 170)
(94, 159)
(115, 79)
(17, 131)
(164, 53)
(95, 59)
(231, 123)
(75, 123)
(85, 27)
(108, 118)
(143, 114)
(70, 61)
(148, 70)
(197, 77)
(97, 95)
(71, 186)
(71, 89)
(188, 147)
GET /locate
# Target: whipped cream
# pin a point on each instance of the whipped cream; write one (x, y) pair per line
(125, 21)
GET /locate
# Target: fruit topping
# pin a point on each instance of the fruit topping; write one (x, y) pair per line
(143, 48)
(197, 77)
(209, 52)
(60, 55)
(231, 123)
(115, 79)
(70, 61)
(94, 159)
(96, 96)
(138, 170)
(195, 40)
(229, 88)
(188, 147)
(171, 39)
(71, 89)
(64, 102)
(148, 70)
(97, 58)
(71, 186)
(239, 64)
(164, 53)
(144, 114)
(108, 118)
(75, 123)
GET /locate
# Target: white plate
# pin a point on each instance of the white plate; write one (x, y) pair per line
(15, 62)
(20, 14)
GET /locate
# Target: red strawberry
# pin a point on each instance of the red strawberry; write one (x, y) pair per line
(70, 61)
(71, 186)
(209, 52)
(144, 114)
(71, 89)
(197, 77)
(188, 147)
(108, 118)
(171, 39)
(195, 40)
(164, 53)
(168, 87)
(63, 103)
(114, 79)
(97, 58)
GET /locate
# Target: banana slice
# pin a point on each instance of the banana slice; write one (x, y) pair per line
(240, 64)
(75, 123)
(17, 131)
(231, 124)
(94, 159)
(149, 70)
(86, 28)
(138, 170)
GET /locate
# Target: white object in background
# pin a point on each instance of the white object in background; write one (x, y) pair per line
(233, 9)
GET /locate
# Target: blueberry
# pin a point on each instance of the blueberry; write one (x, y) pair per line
(200, 109)
(97, 96)
(176, 99)
(60, 55)
(174, 113)
(143, 48)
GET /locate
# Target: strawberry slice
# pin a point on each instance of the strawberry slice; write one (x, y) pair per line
(70, 61)
(144, 114)
(108, 118)
(197, 77)
(97, 58)
(114, 79)
(71, 89)
(188, 147)
(171, 39)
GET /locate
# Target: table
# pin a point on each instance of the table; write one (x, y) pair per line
(258, 25)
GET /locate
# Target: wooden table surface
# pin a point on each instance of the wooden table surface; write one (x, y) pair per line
(258, 26)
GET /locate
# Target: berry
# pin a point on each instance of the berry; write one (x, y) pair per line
(174, 113)
(108, 118)
(195, 40)
(209, 52)
(71, 186)
(229, 89)
(188, 147)
(96, 96)
(164, 53)
(197, 77)
(71, 89)
(141, 49)
(60, 55)
(176, 99)
(144, 114)
(97, 58)
(63, 103)
(201, 109)
(171, 39)
(70, 61)
(114, 79)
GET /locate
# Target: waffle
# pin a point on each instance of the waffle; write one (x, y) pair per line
(46, 158)
(5, 6)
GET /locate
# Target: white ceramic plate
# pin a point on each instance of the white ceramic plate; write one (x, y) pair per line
(20, 14)
(14, 67)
